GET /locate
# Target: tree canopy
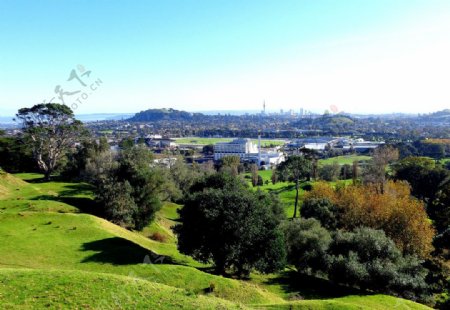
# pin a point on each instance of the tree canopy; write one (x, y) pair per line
(226, 223)
(51, 130)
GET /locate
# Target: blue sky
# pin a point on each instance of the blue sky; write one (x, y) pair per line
(361, 56)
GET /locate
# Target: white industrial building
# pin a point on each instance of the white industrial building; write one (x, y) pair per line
(247, 151)
(238, 147)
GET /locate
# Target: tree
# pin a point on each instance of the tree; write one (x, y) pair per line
(330, 172)
(51, 130)
(118, 204)
(208, 149)
(306, 244)
(346, 172)
(255, 175)
(375, 172)
(77, 160)
(313, 156)
(274, 177)
(395, 211)
(230, 164)
(295, 169)
(423, 175)
(226, 223)
(16, 155)
(439, 209)
(260, 181)
(183, 176)
(323, 210)
(130, 190)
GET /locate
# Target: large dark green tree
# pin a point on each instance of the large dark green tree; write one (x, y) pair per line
(226, 223)
(323, 210)
(424, 176)
(295, 169)
(130, 191)
(15, 155)
(51, 129)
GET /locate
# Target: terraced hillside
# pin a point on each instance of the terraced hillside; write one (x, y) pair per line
(53, 254)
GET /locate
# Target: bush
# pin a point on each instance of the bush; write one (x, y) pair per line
(367, 258)
(306, 244)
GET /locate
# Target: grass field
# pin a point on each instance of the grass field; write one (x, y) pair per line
(284, 190)
(206, 141)
(54, 255)
(344, 160)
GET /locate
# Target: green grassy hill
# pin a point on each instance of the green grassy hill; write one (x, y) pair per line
(52, 254)
(89, 290)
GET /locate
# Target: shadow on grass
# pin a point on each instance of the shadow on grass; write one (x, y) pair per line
(310, 287)
(286, 188)
(69, 196)
(119, 251)
(42, 179)
(77, 189)
(85, 205)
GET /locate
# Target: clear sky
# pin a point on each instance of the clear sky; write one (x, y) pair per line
(363, 56)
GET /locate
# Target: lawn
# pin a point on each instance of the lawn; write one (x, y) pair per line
(284, 190)
(344, 160)
(48, 246)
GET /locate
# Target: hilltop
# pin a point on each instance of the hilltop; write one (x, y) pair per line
(153, 115)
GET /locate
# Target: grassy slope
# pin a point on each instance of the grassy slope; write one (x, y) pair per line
(95, 291)
(47, 235)
(54, 240)
(373, 302)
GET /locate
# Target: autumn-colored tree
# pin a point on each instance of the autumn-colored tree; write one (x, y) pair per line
(401, 216)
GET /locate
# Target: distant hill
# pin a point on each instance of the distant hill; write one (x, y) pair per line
(153, 115)
(444, 114)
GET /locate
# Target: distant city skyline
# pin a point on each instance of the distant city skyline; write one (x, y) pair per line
(360, 57)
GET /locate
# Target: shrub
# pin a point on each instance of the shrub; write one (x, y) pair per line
(367, 258)
(306, 244)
